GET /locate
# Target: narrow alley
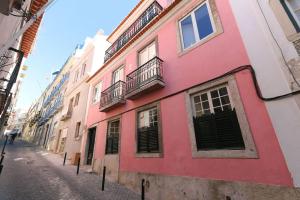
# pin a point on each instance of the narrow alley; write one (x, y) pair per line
(30, 173)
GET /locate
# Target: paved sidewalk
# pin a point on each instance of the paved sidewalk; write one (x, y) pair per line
(33, 174)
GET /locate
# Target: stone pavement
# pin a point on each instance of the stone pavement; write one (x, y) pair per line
(33, 174)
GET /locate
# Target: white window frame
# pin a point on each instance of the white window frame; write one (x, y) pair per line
(195, 27)
(99, 86)
(293, 11)
(208, 92)
(121, 78)
(146, 48)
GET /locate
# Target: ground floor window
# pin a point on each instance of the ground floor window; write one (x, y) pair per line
(148, 131)
(112, 139)
(215, 121)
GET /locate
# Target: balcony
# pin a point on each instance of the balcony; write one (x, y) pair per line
(144, 79)
(66, 116)
(150, 13)
(112, 96)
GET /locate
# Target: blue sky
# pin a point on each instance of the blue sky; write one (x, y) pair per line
(67, 23)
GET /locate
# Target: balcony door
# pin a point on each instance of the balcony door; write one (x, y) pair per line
(148, 68)
(118, 75)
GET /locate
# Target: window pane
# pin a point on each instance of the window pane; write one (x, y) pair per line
(152, 51)
(204, 97)
(187, 32)
(225, 100)
(216, 102)
(143, 57)
(203, 22)
(223, 91)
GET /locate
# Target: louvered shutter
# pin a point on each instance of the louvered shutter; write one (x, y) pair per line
(218, 131)
(153, 143)
(109, 143)
(229, 134)
(115, 145)
(206, 136)
(148, 140)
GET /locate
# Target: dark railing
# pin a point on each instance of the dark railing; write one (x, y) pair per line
(150, 71)
(113, 94)
(151, 12)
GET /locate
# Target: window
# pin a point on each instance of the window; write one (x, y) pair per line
(97, 92)
(148, 131)
(77, 99)
(83, 69)
(292, 7)
(70, 109)
(62, 144)
(152, 69)
(77, 130)
(76, 76)
(118, 75)
(196, 26)
(112, 139)
(215, 121)
(147, 53)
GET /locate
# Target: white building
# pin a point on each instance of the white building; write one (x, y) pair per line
(270, 30)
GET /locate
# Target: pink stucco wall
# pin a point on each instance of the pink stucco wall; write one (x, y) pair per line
(209, 60)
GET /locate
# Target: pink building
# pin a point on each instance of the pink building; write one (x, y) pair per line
(177, 109)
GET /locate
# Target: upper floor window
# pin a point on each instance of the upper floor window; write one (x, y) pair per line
(118, 75)
(70, 108)
(196, 26)
(83, 68)
(77, 99)
(76, 76)
(77, 129)
(147, 53)
(293, 10)
(97, 92)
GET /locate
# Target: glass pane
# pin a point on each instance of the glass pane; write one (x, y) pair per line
(203, 21)
(196, 99)
(218, 109)
(225, 100)
(152, 51)
(227, 107)
(143, 56)
(214, 94)
(205, 105)
(223, 91)
(204, 97)
(198, 107)
(216, 102)
(187, 32)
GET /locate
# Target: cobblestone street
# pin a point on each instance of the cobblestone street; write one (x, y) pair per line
(32, 174)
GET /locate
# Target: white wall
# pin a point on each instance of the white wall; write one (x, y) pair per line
(273, 76)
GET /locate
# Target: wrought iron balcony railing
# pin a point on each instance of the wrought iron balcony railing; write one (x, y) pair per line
(112, 96)
(146, 77)
(148, 15)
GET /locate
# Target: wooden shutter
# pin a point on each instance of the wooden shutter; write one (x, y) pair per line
(148, 139)
(218, 131)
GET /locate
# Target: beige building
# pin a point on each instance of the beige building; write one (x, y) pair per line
(85, 62)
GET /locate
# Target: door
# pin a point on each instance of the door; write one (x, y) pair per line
(91, 144)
